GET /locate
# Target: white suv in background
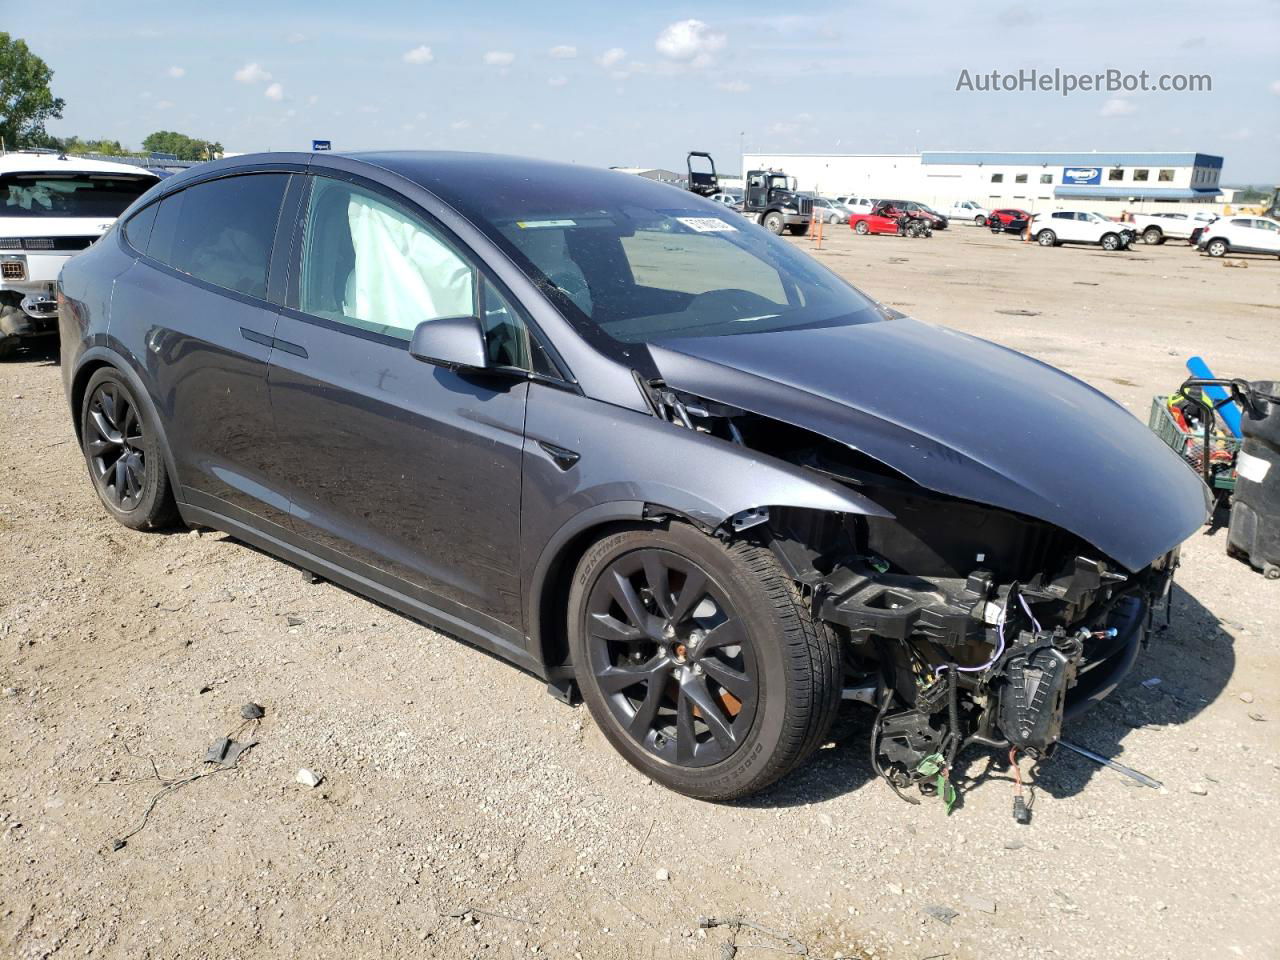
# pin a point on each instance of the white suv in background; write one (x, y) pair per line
(856, 204)
(1159, 227)
(967, 210)
(1241, 235)
(51, 208)
(1079, 226)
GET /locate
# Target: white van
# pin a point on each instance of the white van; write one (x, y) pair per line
(51, 208)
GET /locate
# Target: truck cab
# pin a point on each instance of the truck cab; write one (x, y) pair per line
(772, 198)
(52, 207)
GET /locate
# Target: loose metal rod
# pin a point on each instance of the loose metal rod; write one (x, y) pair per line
(1142, 778)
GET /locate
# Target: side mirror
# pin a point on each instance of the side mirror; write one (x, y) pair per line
(453, 342)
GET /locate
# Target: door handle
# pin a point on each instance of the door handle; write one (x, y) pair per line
(283, 345)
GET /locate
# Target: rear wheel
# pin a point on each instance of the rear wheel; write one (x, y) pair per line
(1217, 248)
(861, 227)
(979, 221)
(773, 222)
(1046, 238)
(1152, 235)
(122, 449)
(698, 660)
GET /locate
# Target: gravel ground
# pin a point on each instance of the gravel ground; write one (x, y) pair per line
(464, 813)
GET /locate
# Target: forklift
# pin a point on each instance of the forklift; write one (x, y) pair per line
(770, 197)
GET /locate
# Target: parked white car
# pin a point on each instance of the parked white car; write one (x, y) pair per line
(1159, 227)
(1079, 226)
(51, 208)
(856, 204)
(967, 210)
(727, 197)
(1241, 235)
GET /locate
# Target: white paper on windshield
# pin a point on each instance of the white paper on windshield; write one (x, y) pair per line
(534, 224)
(708, 224)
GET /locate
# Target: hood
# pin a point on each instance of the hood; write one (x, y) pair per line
(963, 417)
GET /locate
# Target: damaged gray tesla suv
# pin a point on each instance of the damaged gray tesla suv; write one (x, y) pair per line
(639, 447)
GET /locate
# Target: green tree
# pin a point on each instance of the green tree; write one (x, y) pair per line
(26, 101)
(110, 148)
(181, 145)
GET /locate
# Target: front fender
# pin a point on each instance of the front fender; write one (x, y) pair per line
(630, 465)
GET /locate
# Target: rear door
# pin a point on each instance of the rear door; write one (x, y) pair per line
(405, 472)
(199, 300)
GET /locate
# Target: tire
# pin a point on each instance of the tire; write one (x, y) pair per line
(979, 221)
(1110, 242)
(122, 451)
(1216, 247)
(1152, 235)
(861, 228)
(833, 219)
(774, 223)
(1047, 238)
(784, 669)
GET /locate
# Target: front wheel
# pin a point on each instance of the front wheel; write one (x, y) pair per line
(861, 227)
(1217, 248)
(774, 223)
(1110, 242)
(699, 661)
(121, 447)
(1046, 238)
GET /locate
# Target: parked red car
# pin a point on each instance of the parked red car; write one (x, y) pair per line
(1008, 220)
(885, 217)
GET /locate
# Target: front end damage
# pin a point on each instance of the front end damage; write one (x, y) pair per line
(963, 623)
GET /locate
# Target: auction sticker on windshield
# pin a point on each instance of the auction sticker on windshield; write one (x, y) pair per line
(534, 224)
(707, 225)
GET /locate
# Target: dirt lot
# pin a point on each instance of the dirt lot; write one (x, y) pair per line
(453, 783)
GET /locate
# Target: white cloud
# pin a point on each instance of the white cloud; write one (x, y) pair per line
(611, 57)
(421, 54)
(733, 86)
(312, 100)
(252, 73)
(295, 38)
(460, 124)
(1244, 133)
(537, 126)
(557, 81)
(690, 41)
(1117, 107)
(176, 72)
(163, 104)
(562, 52)
(499, 58)
(274, 92)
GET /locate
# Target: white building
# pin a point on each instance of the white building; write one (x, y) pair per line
(1105, 182)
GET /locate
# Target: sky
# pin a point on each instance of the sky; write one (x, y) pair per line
(641, 84)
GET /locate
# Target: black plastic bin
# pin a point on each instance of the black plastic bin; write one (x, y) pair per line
(1255, 506)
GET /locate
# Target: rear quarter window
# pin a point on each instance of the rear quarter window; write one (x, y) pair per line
(221, 231)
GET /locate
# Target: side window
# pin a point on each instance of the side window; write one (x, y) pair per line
(137, 231)
(221, 231)
(373, 266)
(1064, 216)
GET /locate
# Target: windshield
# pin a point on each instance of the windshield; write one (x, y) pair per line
(639, 274)
(69, 195)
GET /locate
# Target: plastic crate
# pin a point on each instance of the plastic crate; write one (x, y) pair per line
(1190, 446)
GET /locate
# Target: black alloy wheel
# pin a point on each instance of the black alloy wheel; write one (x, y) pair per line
(123, 453)
(672, 657)
(113, 444)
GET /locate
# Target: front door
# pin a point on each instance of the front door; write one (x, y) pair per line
(408, 472)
